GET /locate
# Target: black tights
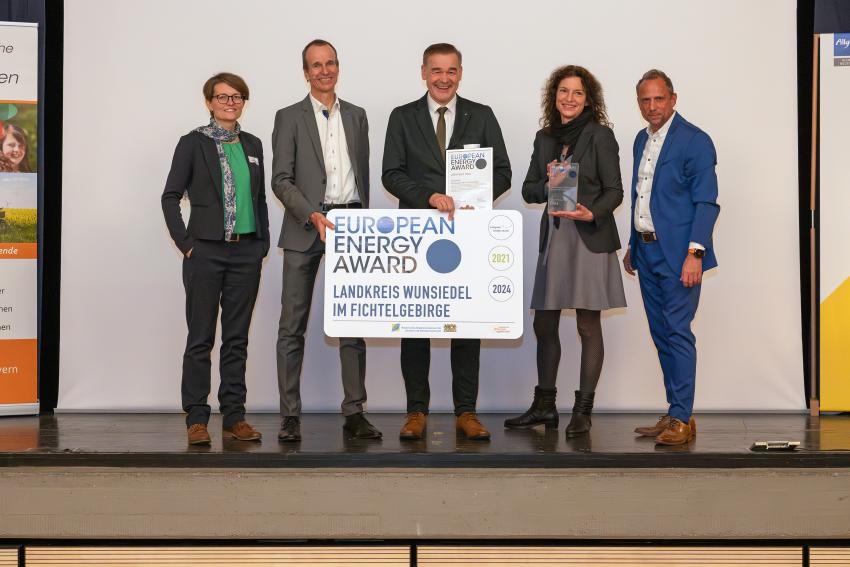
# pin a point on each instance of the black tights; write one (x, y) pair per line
(589, 327)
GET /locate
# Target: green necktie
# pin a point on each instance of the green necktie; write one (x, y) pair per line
(441, 131)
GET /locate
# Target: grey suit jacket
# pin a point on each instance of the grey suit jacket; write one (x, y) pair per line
(298, 166)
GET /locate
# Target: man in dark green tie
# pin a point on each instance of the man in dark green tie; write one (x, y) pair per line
(414, 170)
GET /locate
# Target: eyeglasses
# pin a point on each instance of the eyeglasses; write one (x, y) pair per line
(235, 99)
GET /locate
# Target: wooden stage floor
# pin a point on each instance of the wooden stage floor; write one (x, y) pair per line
(158, 440)
(132, 476)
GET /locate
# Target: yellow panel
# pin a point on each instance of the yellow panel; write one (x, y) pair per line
(829, 556)
(231, 556)
(835, 350)
(609, 556)
(8, 557)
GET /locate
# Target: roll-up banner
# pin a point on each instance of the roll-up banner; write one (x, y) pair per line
(18, 219)
(834, 126)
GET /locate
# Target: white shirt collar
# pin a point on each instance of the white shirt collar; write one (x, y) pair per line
(318, 106)
(662, 132)
(433, 105)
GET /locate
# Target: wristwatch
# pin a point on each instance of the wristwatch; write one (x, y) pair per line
(696, 252)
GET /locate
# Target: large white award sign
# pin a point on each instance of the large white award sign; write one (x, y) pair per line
(415, 273)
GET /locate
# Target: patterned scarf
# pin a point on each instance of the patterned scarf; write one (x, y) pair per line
(219, 135)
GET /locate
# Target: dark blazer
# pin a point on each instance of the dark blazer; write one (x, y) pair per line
(196, 169)
(299, 177)
(413, 168)
(684, 193)
(600, 187)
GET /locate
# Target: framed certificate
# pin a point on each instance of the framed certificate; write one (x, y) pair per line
(469, 178)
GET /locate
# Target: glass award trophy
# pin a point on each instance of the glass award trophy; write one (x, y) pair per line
(563, 186)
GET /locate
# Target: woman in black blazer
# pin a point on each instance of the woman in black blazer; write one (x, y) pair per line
(221, 169)
(577, 267)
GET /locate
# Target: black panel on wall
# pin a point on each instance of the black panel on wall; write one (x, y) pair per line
(51, 112)
(22, 10)
(832, 16)
(805, 38)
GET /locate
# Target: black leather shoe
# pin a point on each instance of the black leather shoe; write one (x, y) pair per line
(358, 427)
(580, 421)
(541, 412)
(290, 430)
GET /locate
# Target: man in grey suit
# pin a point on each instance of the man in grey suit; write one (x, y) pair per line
(321, 162)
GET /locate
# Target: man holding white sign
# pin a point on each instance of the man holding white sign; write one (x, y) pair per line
(414, 171)
(321, 163)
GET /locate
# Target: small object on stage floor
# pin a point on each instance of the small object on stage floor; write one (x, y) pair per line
(774, 445)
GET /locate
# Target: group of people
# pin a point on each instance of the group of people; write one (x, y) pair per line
(321, 162)
(13, 149)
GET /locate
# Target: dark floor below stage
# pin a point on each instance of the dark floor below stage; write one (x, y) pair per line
(159, 440)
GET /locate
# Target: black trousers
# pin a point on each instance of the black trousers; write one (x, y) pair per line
(416, 362)
(226, 274)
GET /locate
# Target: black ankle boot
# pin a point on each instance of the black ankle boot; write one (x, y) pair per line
(541, 412)
(580, 422)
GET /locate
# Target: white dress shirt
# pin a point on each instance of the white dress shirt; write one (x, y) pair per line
(646, 172)
(341, 187)
(434, 106)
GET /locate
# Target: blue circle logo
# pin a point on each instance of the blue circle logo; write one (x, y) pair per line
(572, 174)
(385, 225)
(443, 256)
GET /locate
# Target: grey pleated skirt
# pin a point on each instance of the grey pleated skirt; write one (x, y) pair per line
(569, 276)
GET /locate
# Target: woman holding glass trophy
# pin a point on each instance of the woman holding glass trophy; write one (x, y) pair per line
(575, 170)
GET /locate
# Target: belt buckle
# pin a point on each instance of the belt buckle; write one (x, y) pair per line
(234, 237)
(648, 236)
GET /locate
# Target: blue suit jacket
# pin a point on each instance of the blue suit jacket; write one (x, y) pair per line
(684, 193)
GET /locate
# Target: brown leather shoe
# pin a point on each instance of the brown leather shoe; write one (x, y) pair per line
(472, 428)
(198, 434)
(241, 431)
(654, 430)
(414, 426)
(677, 432)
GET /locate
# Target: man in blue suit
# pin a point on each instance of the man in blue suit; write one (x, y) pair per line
(674, 208)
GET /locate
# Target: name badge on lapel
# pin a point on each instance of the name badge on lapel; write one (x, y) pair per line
(254, 160)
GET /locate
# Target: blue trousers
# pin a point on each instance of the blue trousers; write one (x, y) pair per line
(670, 308)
